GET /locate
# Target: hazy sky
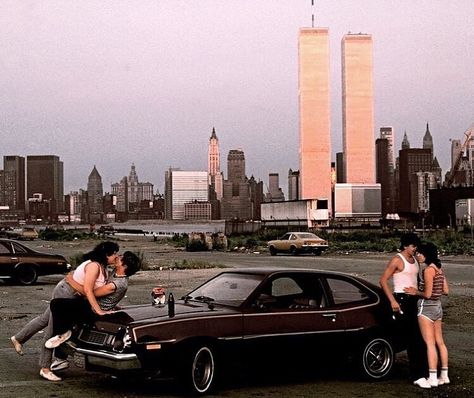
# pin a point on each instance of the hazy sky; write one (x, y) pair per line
(117, 82)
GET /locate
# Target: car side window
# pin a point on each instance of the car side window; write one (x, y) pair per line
(18, 248)
(285, 286)
(285, 237)
(293, 237)
(4, 249)
(344, 292)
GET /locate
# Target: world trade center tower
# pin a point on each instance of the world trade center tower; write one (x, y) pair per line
(358, 109)
(314, 107)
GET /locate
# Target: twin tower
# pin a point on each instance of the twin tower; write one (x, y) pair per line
(315, 111)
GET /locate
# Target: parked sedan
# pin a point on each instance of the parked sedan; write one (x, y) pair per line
(251, 316)
(298, 242)
(23, 265)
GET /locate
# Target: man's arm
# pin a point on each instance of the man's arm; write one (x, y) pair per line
(392, 267)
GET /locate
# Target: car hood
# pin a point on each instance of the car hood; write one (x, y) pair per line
(147, 313)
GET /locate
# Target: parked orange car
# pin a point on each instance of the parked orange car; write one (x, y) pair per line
(298, 242)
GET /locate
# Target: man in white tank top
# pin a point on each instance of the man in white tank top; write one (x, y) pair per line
(403, 269)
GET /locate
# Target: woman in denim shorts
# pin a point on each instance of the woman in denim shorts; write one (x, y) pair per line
(433, 285)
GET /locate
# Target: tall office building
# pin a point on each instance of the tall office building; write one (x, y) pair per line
(95, 192)
(293, 184)
(214, 167)
(184, 187)
(275, 193)
(45, 177)
(14, 182)
(411, 161)
(428, 139)
(314, 107)
(358, 109)
(388, 133)
(383, 175)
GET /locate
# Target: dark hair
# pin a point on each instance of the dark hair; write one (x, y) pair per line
(409, 239)
(101, 251)
(132, 262)
(430, 251)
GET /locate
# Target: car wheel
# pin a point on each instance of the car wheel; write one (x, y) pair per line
(198, 372)
(377, 359)
(26, 274)
(293, 251)
(273, 251)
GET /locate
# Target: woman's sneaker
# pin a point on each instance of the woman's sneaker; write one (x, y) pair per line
(422, 382)
(56, 341)
(443, 380)
(59, 364)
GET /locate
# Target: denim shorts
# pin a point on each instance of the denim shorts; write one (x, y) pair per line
(430, 309)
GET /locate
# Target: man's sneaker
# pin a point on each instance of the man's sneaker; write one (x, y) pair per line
(17, 345)
(56, 341)
(422, 382)
(49, 376)
(59, 364)
(443, 380)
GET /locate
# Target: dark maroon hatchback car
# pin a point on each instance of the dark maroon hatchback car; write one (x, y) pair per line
(274, 315)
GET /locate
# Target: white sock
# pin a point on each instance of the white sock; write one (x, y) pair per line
(433, 375)
(444, 373)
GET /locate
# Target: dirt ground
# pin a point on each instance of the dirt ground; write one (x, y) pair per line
(19, 375)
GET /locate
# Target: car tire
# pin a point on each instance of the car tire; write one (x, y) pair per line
(198, 371)
(26, 274)
(376, 358)
(273, 251)
(293, 251)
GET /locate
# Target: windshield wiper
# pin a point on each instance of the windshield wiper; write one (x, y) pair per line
(205, 299)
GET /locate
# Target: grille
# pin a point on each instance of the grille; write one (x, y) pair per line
(94, 337)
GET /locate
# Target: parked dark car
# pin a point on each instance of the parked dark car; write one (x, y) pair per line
(23, 265)
(282, 316)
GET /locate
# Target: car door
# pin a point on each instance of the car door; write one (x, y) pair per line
(7, 259)
(277, 325)
(353, 302)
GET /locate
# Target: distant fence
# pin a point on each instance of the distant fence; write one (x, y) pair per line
(242, 227)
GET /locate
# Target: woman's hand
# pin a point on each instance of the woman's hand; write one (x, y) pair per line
(412, 291)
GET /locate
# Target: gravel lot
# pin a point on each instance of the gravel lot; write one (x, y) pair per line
(19, 375)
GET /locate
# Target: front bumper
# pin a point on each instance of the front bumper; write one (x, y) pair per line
(109, 360)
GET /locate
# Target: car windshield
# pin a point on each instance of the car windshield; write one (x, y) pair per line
(227, 288)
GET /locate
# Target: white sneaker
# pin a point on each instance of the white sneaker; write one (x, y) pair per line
(443, 380)
(59, 364)
(17, 345)
(49, 376)
(422, 382)
(433, 383)
(56, 341)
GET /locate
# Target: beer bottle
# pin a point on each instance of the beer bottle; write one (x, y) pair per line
(171, 305)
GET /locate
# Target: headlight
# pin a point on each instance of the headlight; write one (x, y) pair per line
(123, 339)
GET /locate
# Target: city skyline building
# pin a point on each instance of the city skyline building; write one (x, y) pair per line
(293, 184)
(275, 193)
(314, 112)
(358, 109)
(45, 177)
(14, 182)
(411, 161)
(184, 187)
(214, 166)
(95, 193)
(428, 139)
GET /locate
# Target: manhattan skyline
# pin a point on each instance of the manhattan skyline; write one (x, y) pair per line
(110, 84)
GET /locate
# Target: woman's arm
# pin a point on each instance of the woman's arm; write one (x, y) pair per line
(428, 276)
(98, 292)
(92, 272)
(445, 286)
